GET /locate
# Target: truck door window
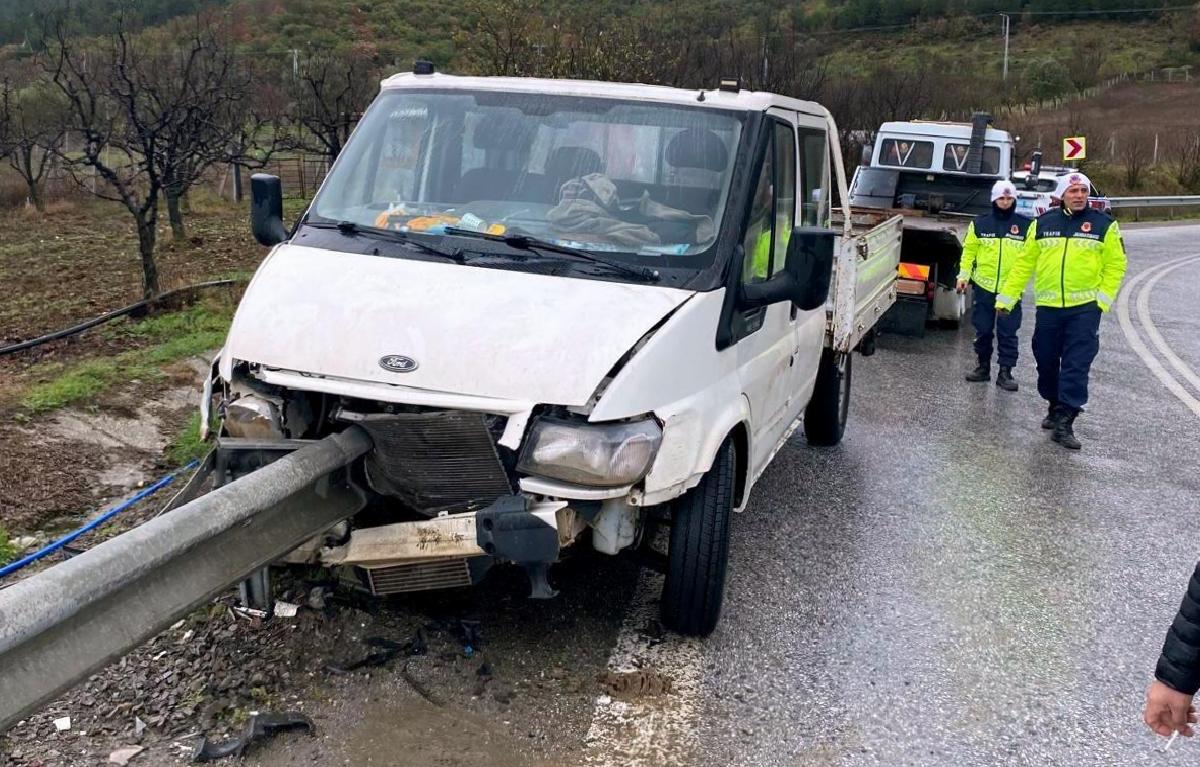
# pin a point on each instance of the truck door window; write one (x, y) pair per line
(814, 170)
(785, 193)
(773, 212)
(757, 242)
(903, 153)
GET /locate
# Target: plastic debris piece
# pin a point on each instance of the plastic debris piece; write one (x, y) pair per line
(286, 610)
(63, 724)
(122, 755)
(138, 726)
(384, 650)
(258, 727)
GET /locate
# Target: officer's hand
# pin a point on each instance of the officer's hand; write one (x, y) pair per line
(1168, 710)
(1001, 311)
(961, 286)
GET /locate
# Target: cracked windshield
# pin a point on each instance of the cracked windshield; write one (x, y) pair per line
(607, 176)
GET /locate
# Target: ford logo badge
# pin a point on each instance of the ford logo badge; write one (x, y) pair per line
(398, 363)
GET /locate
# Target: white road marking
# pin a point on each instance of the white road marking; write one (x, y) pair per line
(1143, 308)
(653, 731)
(1139, 346)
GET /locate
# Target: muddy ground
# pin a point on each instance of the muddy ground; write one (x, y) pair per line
(522, 694)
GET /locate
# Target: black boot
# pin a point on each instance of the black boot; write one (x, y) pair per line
(1051, 416)
(1005, 380)
(1064, 434)
(982, 372)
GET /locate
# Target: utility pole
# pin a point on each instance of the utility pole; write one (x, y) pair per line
(1007, 19)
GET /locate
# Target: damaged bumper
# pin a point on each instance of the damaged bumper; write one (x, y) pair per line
(458, 549)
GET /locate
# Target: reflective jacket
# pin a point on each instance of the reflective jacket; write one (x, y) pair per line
(1179, 664)
(991, 248)
(1075, 258)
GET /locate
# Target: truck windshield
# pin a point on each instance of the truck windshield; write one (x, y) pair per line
(646, 182)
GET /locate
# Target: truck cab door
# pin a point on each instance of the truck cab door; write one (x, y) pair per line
(767, 338)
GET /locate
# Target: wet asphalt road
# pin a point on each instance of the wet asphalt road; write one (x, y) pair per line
(949, 587)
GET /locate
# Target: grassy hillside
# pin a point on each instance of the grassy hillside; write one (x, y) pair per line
(962, 33)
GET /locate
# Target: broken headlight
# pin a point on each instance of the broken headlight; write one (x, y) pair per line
(251, 416)
(600, 455)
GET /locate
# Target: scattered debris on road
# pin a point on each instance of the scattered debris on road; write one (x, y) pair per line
(258, 727)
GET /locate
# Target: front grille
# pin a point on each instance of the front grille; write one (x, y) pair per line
(419, 576)
(433, 461)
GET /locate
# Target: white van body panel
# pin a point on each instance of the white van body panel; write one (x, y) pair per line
(476, 332)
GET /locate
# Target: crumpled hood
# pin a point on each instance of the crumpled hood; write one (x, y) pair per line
(471, 331)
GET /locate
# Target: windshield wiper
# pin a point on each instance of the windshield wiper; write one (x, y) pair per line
(353, 229)
(527, 242)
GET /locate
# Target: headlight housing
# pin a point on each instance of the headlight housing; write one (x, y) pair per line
(598, 455)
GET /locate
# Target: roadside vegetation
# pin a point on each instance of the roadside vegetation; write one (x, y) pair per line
(157, 341)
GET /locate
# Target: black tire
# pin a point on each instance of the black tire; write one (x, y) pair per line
(699, 554)
(827, 411)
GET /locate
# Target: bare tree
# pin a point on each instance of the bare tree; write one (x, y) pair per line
(1186, 168)
(329, 94)
(33, 123)
(1134, 149)
(204, 93)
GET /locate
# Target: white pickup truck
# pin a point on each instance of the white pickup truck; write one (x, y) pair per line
(563, 311)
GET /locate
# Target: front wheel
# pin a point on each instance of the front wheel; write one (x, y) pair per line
(827, 411)
(699, 554)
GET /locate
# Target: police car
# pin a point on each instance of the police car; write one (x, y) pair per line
(1036, 196)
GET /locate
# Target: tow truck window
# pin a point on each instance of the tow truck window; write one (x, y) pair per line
(903, 153)
(955, 159)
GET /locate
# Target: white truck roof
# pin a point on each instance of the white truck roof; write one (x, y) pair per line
(942, 130)
(749, 101)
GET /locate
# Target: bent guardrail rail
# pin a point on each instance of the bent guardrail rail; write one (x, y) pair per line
(63, 624)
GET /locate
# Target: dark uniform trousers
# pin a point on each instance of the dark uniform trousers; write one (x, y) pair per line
(989, 325)
(1065, 341)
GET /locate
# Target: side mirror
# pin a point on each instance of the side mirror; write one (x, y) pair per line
(806, 277)
(810, 262)
(266, 209)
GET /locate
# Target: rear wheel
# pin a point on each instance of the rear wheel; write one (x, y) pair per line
(699, 553)
(827, 411)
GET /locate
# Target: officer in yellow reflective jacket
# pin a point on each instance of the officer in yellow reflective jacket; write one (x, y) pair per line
(993, 242)
(1077, 260)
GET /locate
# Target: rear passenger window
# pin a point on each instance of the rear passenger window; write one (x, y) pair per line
(814, 177)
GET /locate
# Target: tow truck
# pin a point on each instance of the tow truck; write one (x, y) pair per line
(937, 176)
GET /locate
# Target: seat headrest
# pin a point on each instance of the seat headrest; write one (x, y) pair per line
(501, 132)
(698, 148)
(572, 162)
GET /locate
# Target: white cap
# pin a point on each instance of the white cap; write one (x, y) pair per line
(1003, 188)
(1074, 178)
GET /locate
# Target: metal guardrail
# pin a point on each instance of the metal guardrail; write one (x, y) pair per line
(1176, 201)
(67, 622)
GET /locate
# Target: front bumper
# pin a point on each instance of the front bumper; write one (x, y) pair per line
(456, 549)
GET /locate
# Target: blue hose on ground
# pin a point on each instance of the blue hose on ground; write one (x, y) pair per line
(100, 520)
